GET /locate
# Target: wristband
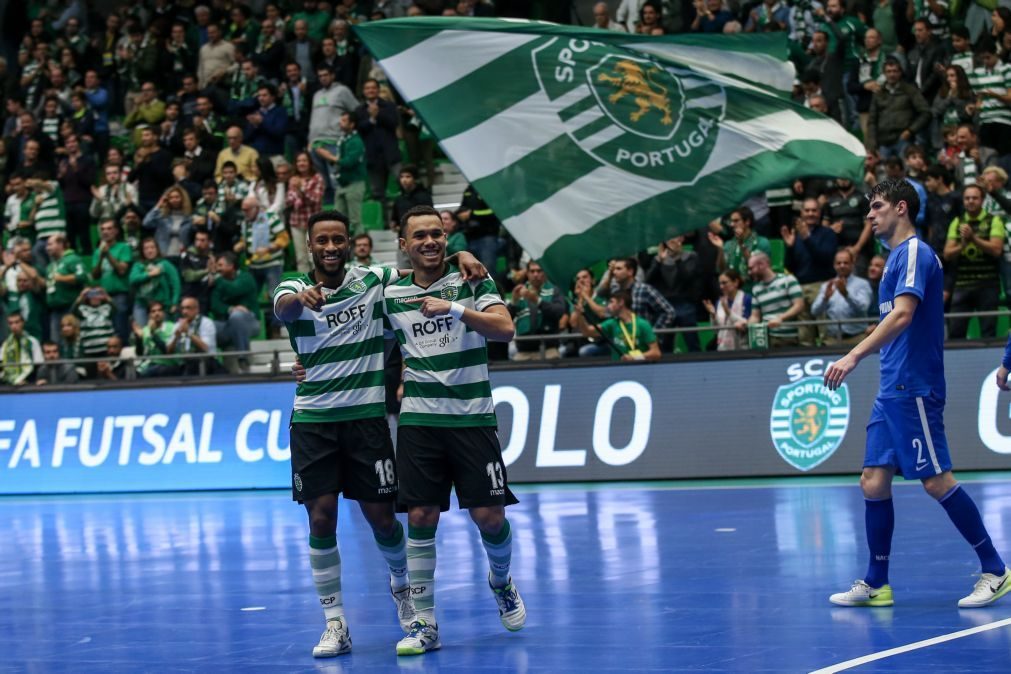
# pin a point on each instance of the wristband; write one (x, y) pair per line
(456, 310)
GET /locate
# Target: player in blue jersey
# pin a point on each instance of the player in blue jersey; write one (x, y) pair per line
(1005, 368)
(905, 434)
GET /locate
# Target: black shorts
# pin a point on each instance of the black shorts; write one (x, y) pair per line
(431, 461)
(351, 457)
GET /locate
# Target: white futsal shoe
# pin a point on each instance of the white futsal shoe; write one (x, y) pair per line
(511, 609)
(405, 607)
(335, 641)
(989, 588)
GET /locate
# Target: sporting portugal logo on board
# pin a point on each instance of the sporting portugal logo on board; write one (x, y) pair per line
(808, 421)
(630, 111)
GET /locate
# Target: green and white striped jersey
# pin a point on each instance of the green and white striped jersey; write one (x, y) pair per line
(341, 347)
(51, 216)
(261, 233)
(446, 363)
(992, 111)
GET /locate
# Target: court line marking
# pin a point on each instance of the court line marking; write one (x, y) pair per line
(856, 662)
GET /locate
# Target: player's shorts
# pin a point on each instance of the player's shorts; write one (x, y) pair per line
(908, 435)
(431, 461)
(355, 458)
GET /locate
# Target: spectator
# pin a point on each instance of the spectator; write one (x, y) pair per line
(19, 353)
(361, 251)
(70, 340)
(844, 297)
(411, 194)
(26, 299)
(377, 120)
(992, 83)
(845, 209)
(647, 301)
(730, 315)
(315, 20)
(592, 309)
(194, 333)
(153, 279)
(972, 158)
(182, 58)
(115, 194)
(51, 373)
(943, 204)
(769, 15)
(232, 188)
(47, 216)
(209, 125)
(735, 253)
(961, 49)
(94, 309)
(295, 97)
(898, 112)
(302, 48)
(955, 103)
(270, 193)
(234, 307)
(17, 208)
(810, 250)
(676, 273)
(110, 268)
(216, 216)
(149, 112)
(481, 227)
(845, 35)
(151, 341)
(264, 240)
(455, 240)
(305, 196)
(98, 104)
(875, 270)
(199, 163)
(934, 15)
(649, 19)
(828, 65)
(195, 267)
(926, 61)
(975, 244)
(710, 16)
(998, 198)
(76, 174)
(267, 126)
(65, 277)
(171, 222)
(170, 130)
(216, 58)
(630, 336)
(114, 369)
(152, 170)
(243, 156)
(538, 308)
(130, 222)
(270, 52)
(329, 104)
(351, 172)
(777, 300)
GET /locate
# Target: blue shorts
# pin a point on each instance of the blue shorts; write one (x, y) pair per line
(908, 434)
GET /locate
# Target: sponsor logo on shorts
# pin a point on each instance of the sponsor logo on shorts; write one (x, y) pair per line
(297, 479)
(808, 422)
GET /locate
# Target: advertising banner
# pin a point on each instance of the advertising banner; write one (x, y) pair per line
(690, 419)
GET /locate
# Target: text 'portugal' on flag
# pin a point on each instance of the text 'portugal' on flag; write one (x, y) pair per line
(590, 144)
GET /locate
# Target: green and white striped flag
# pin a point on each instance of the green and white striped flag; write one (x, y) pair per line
(590, 144)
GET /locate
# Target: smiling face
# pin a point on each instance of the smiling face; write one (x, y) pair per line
(424, 241)
(328, 246)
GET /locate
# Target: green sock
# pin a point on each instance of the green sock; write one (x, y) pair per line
(394, 550)
(421, 568)
(325, 559)
(500, 553)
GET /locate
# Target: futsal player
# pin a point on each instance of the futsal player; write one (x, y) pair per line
(340, 439)
(905, 434)
(447, 431)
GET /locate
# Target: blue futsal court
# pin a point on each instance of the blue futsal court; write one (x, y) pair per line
(729, 577)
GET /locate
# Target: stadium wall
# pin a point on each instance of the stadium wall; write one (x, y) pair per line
(766, 416)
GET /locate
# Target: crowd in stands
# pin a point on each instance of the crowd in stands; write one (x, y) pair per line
(160, 161)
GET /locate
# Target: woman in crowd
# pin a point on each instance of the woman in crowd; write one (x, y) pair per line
(305, 197)
(268, 190)
(171, 222)
(730, 315)
(153, 279)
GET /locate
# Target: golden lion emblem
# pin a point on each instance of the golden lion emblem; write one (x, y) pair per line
(631, 79)
(806, 421)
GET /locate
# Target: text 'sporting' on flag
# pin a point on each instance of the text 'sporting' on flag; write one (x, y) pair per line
(590, 144)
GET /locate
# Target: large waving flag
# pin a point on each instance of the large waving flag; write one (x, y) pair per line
(590, 144)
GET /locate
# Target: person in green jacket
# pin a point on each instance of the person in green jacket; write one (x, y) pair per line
(352, 173)
(235, 306)
(152, 279)
(65, 277)
(110, 267)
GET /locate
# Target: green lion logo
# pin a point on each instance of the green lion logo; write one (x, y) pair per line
(449, 293)
(629, 111)
(357, 286)
(809, 422)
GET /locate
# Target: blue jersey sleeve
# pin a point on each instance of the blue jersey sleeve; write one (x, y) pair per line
(914, 265)
(1006, 362)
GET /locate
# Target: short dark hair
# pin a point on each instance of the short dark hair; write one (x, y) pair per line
(231, 165)
(267, 86)
(939, 172)
(974, 186)
(230, 257)
(894, 191)
(361, 236)
(891, 61)
(746, 214)
(895, 162)
(410, 169)
(209, 183)
(625, 296)
(962, 32)
(323, 67)
(414, 212)
(630, 262)
(328, 216)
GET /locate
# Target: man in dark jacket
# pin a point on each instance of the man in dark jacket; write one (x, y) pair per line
(412, 194)
(376, 121)
(675, 272)
(267, 126)
(810, 255)
(898, 112)
(924, 60)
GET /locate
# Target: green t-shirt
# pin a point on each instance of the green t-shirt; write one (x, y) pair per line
(524, 324)
(229, 293)
(31, 308)
(164, 287)
(60, 295)
(456, 243)
(113, 283)
(638, 331)
(154, 344)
